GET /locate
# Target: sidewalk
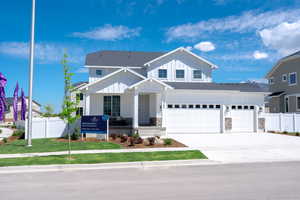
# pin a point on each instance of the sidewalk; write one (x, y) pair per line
(120, 165)
(22, 155)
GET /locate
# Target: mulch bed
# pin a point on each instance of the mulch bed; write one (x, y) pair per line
(126, 144)
(138, 146)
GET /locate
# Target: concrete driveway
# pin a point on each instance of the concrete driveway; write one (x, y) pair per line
(244, 147)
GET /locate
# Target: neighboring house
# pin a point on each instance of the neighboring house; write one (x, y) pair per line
(155, 92)
(284, 85)
(9, 111)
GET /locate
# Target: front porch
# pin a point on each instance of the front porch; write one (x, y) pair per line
(138, 109)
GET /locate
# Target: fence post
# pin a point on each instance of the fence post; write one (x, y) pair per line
(280, 122)
(222, 118)
(256, 119)
(294, 122)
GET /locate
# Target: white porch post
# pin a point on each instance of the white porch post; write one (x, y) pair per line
(135, 109)
(87, 104)
(222, 118)
(256, 110)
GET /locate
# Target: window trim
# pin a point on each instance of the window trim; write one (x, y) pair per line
(183, 74)
(291, 84)
(284, 75)
(193, 75)
(162, 77)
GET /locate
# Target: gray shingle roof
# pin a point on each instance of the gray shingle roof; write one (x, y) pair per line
(242, 87)
(121, 58)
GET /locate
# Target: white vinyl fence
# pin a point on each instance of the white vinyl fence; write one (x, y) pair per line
(46, 127)
(289, 122)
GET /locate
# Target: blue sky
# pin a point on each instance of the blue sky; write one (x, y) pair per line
(243, 37)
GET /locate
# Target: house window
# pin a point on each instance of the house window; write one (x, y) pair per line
(284, 77)
(179, 73)
(111, 105)
(298, 103)
(271, 81)
(79, 96)
(99, 72)
(79, 111)
(293, 78)
(197, 74)
(170, 106)
(162, 73)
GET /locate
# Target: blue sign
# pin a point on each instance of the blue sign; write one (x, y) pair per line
(94, 124)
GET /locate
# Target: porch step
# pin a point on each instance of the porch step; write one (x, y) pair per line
(145, 131)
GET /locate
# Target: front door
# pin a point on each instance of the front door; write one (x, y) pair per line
(144, 117)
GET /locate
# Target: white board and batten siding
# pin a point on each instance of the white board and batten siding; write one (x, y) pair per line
(180, 60)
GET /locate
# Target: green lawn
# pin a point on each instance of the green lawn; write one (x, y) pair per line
(104, 158)
(49, 145)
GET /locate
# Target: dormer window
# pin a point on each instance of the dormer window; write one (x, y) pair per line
(162, 73)
(98, 72)
(179, 73)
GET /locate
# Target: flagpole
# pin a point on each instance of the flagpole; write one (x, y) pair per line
(31, 57)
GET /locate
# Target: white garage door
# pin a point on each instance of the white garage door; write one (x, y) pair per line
(192, 120)
(242, 120)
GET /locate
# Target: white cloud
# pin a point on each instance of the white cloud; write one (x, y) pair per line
(109, 33)
(205, 46)
(284, 38)
(44, 52)
(247, 22)
(82, 70)
(189, 48)
(259, 55)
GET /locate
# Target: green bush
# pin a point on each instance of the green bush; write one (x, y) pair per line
(5, 140)
(297, 134)
(13, 126)
(168, 141)
(0, 130)
(19, 133)
(75, 135)
(285, 132)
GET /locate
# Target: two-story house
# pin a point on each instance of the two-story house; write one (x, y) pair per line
(171, 91)
(284, 85)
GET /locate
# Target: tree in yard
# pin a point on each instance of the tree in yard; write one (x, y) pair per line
(69, 107)
(48, 110)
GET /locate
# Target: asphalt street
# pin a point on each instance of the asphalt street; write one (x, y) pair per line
(261, 181)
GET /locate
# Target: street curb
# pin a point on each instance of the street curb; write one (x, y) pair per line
(120, 165)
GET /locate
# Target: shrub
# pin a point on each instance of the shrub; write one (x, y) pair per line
(131, 141)
(75, 135)
(124, 138)
(168, 141)
(297, 134)
(151, 140)
(113, 136)
(19, 133)
(0, 130)
(139, 140)
(135, 135)
(13, 126)
(285, 132)
(4, 140)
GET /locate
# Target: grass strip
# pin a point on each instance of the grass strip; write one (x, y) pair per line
(51, 145)
(104, 158)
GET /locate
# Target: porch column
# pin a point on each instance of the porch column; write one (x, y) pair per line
(87, 104)
(256, 110)
(135, 109)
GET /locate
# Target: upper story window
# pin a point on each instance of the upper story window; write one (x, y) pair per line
(98, 72)
(179, 73)
(197, 74)
(162, 73)
(271, 81)
(293, 78)
(284, 77)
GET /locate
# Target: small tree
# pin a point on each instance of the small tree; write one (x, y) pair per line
(69, 107)
(48, 110)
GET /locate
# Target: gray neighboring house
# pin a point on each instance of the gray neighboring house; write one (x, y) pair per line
(284, 85)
